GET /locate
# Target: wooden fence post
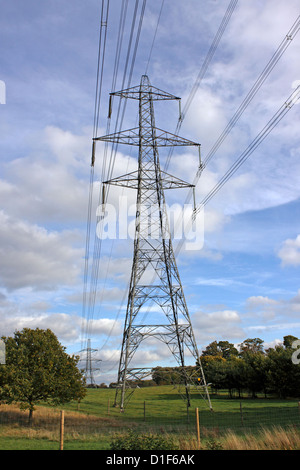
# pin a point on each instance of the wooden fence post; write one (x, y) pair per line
(241, 412)
(198, 427)
(62, 430)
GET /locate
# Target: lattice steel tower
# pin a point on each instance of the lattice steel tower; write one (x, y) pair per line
(89, 369)
(153, 256)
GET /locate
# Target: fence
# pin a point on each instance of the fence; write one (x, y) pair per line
(96, 418)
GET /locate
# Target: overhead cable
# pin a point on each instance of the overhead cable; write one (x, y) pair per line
(273, 122)
(261, 79)
(107, 168)
(278, 116)
(286, 41)
(224, 23)
(99, 79)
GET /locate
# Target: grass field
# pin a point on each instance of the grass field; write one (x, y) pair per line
(93, 423)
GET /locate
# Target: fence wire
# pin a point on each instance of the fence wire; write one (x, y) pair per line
(165, 413)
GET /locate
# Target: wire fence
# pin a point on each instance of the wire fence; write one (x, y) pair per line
(94, 419)
(240, 418)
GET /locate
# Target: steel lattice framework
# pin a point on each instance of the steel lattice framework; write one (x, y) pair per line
(88, 364)
(153, 250)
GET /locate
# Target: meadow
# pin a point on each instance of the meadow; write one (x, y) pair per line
(246, 423)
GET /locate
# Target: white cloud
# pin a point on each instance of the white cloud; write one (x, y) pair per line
(34, 257)
(266, 307)
(66, 327)
(223, 324)
(50, 182)
(105, 326)
(274, 314)
(261, 301)
(289, 253)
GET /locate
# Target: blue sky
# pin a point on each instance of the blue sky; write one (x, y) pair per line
(244, 282)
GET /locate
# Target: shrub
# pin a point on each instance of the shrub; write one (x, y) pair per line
(137, 441)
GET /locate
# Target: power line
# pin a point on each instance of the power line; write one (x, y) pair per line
(224, 23)
(211, 52)
(273, 122)
(278, 116)
(129, 80)
(261, 79)
(101, 61)
(286, 41)
(105, 172)
(154, 37)
(99, 80)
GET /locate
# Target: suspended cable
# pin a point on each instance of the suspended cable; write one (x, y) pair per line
(129, 81)
(283, 110)
(224, 23)
(98, 238)
(119, 121)
(87, 249)
(261, 79)
(99, 78)
(154, 37)
(204, 67)
(273, 122)
(100, 65)
(286, 41)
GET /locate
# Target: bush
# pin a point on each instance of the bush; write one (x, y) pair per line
(137, 441)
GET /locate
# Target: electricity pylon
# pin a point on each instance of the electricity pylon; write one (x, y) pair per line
(153, 252)
(89, 368)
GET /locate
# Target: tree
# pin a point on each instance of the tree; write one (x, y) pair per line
(284, 376)
(288, 341)
(228, 350)
(235, 369)
(38, 369)
(253, 345)
(215, 370)
(256, 372)
(222, 348)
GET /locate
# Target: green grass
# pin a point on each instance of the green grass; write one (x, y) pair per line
(93, 423)
(165, 408)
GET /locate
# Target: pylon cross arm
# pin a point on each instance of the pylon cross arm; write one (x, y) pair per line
(132, 137)
(135, 93)
(131, 180)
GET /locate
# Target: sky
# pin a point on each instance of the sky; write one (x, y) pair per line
(244, 281)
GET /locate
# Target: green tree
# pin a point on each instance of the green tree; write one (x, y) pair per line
(38, 369)
(288, 341)
(253, 345)
(221, 348)
(214, 368)
(284, 376)
(256, 372)
(235, 369)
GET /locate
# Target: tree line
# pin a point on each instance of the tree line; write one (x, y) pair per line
(253, 369)
(248, 369)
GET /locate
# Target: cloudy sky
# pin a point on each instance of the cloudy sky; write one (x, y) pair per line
(244, 281)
